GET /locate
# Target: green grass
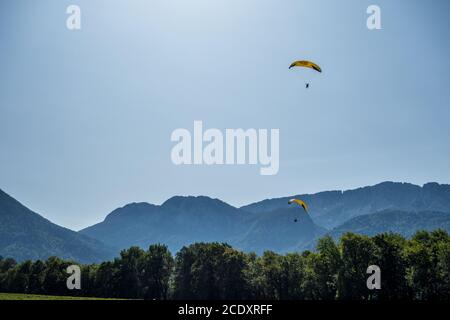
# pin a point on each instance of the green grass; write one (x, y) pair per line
(19, 296)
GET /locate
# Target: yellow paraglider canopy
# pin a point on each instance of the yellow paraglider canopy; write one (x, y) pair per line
(305, 64)
(300, 202)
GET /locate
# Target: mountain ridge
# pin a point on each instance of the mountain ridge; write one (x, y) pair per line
(269, 224)
(331, 208)
(24, 234)
(171, 216)
(390, 221)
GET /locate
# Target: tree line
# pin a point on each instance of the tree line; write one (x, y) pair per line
(414, 269)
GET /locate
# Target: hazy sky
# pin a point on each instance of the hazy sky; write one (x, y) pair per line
(86, 116)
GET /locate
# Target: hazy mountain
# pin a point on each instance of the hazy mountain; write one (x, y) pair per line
(402, 222)
(332, 208)
(177, 222)
(26, 235)
(184, 220)
(397, 221)
(277, 231)
(265, 225)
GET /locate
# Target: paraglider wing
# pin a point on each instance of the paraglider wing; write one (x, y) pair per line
(299, 202)
(305, 64)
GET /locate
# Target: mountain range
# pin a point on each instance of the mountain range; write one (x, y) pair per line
(397, 221)
(330, 209)
(25, 234)
(270, 224)
(184, 220)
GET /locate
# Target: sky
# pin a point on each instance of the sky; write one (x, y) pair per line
(86, 115)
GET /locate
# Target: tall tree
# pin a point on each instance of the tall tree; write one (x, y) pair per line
(158, 263)
(390, 257)
(210, 271)
(325, 266)
(130, 273)
(427, 253)
(358, 253)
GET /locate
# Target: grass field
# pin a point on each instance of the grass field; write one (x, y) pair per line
(18, 296)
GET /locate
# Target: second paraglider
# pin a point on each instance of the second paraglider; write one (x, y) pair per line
(300, 203)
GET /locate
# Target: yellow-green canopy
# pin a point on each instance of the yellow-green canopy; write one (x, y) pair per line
(300, 202)
(305, 64)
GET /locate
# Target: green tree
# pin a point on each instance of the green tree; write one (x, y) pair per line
(231, 274)
(6, 264)
(130, 273)
(106, 280)
(390, 257)
(292, 277)
(427, 255)
(21, 277)
(55, 276)
(158, 265)
(88, 280)
(253, 273)
(271, 271)
(37, 276)
(323, 269)
(358, 253)
(443, 269)
(209, 271)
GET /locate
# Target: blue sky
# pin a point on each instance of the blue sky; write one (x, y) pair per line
(86, 116)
